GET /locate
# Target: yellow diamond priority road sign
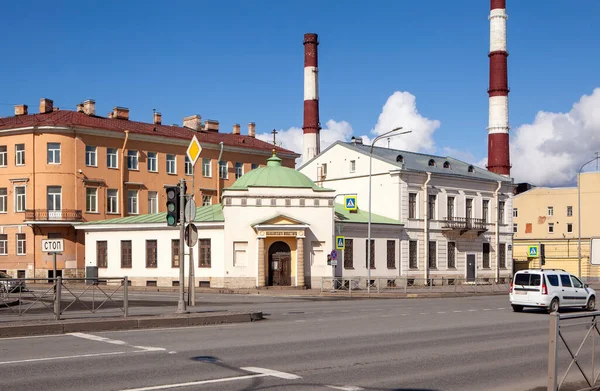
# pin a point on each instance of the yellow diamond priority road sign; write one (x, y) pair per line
(193, 151)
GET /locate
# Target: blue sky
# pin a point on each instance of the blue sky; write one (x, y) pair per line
(241, 61)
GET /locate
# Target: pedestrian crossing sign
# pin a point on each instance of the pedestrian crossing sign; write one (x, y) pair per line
(350, 203)
(340, 242)
(532, 251)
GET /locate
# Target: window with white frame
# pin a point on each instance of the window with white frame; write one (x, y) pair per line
(3, 200)
(112, 201)
(20, 154)
(111, 158)
(206, 171)
(132, 202)
(550, 228)
(569, 211)
(171, 167)
(352, 165)
(515, 212)
(501, 207)
(91, 156)
(206, 200)
(20, 199)
(3, 156)
(152, 202)
(54, 199)
(132, 160)
(222, 169)
(53, 153)
(240, 256)
(569, 228)
(21, 244)
(239, 170)
(91, 199)
(188, 166)
(3, 244)
(550, 211)
(152, 162)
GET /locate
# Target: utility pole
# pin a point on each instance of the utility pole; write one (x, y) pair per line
(181, 308)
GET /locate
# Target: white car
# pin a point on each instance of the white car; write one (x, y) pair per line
(550, 289)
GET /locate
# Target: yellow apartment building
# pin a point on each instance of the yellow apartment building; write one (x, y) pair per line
(59, 168)
(549, 216)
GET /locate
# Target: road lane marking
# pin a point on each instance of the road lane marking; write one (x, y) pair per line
(500, 308)
(424, 313)
(34, 336)
(98, 338)
(300, 321)
(456, 311)
(487, 309)
(65, 357)
(346, 388)
(472, 310)
(271, 372)
(441, 312)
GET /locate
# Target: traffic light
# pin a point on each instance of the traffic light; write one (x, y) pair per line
(173, 193)
(542, 254)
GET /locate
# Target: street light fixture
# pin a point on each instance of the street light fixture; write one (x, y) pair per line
(579, 214)
(369, 223)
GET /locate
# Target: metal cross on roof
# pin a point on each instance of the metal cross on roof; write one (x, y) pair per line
(274, 132)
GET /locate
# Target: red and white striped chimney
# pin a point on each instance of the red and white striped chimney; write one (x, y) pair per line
(498, 142)
(312, 126)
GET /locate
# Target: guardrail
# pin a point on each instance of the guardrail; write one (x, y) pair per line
(416, 285)
(557, 338)
(57, 296)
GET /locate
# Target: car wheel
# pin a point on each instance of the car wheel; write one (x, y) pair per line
(591, 304)
(517, 308)
(554, 306)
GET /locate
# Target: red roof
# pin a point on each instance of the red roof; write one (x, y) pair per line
(82, 120)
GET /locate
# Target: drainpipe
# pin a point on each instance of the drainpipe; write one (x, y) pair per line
(497, 239)
(33, 188)
(426, 228)
(218, 175)
(123, 164)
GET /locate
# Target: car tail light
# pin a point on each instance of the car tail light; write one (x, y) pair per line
(544, 289)
(511, 287)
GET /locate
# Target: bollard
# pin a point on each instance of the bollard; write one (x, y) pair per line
(125, 297)
(553, 352)
(57, 289)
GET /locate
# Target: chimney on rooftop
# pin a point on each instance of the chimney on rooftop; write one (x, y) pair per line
(89, 107)
(46, 105)
(236, 129)
(80, 107)
(121, 113)
(193, 122)
(357, 140)
(157, 118)
(251, 129)
(20, 110)
(211, 125)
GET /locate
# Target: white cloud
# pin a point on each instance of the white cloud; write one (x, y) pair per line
(549, 151)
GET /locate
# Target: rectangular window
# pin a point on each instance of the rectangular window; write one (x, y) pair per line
(112, 202)
(3, 244)
(412, 255)
(222, 170)
(501, 208)
(412, 205)
(550, 228)
(54, 200)
(391, 254)
(189, 169)
(240, 257)
(152, 202)
(515, 228)
(485, 210)
(352, 165)
(431, 207)
(569, 211)
(101, 253)
(20, 199)
(126, 253)
(451, 255)
(253, 166)
(90, 156)
(515, 212)
(111, 158)
(132, 202)
(550, 211)
(151, 253)
(450, 207)
(206, 171)
(3, 156)
(21, 244)
(203, 252)
(569, 228)
(20, 154)
(372, 248)
(349, 254)
(132, 160)
(152, 162)
(486, 256)
(469, 208)
(3, 199)
(53, 153)
(171, 166)
(502, 255)
(239, 170)
(432, 255)
(206, 200)
(175, 253)
(91, 199)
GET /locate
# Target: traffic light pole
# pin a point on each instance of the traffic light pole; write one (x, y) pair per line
(181, 309)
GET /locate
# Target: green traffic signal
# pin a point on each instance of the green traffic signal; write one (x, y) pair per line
(171, 220)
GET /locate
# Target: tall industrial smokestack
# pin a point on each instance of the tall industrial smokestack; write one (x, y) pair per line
(498, 143)
(312, 126)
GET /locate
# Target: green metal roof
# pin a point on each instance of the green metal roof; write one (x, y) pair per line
(275, 175)
(204, 214)
(361, 216)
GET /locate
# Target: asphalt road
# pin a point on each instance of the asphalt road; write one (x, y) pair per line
(474, 343)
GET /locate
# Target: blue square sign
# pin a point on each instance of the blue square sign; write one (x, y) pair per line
(350, 203)
(340, 242)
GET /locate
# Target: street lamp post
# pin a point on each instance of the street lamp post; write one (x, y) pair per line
(369, 223)
(579, 215)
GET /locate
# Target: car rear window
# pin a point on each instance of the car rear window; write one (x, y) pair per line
(552, 279)
(528, 279)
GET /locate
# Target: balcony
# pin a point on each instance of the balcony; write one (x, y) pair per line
(463, 227)
(46, 216)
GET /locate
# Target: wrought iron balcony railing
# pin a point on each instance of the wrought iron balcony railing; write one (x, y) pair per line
(53, 215)
(465, 223)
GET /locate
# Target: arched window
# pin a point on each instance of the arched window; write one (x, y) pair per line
(446, 164)
(431, 163)
(471, 169)
(400, 159)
